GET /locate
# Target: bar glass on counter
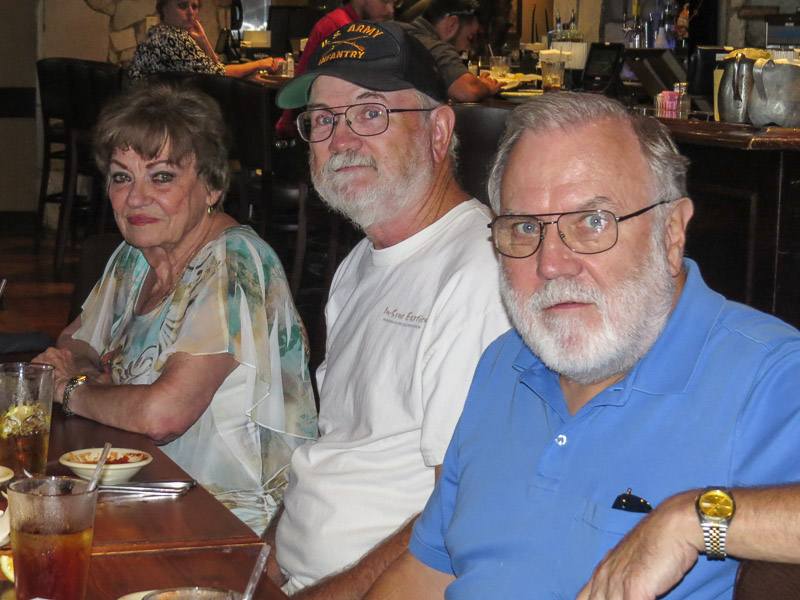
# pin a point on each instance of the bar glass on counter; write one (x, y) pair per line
(552, 74)
(499, 66)
(26, 403)
(52, 525)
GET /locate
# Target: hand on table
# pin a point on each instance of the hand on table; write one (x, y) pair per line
(67, 367)
(267, 64)
(652, 557)
(493, 85)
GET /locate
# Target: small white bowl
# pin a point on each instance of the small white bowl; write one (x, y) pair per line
(121, 464)
(6, 475)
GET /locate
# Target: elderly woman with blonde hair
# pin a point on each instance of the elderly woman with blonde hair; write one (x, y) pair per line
(191, 336)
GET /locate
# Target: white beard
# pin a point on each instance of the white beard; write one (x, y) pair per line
(631, 316)
(379, 202)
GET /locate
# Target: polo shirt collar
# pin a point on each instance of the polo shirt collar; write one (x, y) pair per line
(670, 363)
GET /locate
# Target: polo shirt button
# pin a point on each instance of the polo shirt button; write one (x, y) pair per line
(561, 440)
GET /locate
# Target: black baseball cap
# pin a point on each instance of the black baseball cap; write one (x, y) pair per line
(381, 57)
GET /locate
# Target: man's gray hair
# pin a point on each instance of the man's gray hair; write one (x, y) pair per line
(570, 111)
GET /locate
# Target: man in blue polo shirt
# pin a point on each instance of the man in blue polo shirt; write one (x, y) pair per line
(634, 420)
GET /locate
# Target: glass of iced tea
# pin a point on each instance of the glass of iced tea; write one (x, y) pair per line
(26, 403)
(52, 522)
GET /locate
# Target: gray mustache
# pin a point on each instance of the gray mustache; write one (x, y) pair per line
(340, 161)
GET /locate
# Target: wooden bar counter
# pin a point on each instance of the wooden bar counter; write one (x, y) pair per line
(145, 544)
(745, 183)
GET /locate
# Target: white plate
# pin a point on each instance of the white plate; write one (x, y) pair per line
(521, 93)
(135, 595)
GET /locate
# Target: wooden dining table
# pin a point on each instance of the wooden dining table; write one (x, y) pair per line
(146, 544)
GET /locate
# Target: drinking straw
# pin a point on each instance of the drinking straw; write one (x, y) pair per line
(261, 562)
(99, 468)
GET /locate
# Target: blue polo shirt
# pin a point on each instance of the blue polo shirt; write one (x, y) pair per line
(523, 506)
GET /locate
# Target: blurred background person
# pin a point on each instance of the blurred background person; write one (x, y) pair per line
(447, 28)
(179, 43)
(191, 336)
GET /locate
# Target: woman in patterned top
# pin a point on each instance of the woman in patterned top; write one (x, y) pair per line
(191, 336)
(179, 43)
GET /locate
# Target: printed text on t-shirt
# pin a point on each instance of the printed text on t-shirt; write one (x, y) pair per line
(405, 319)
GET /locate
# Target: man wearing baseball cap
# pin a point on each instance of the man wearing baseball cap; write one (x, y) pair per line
(411, 308)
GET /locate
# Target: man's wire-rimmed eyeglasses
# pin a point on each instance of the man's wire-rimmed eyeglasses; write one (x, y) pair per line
(582, 231)
(367, 119)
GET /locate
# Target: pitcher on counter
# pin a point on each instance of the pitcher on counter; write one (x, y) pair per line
(191, 336)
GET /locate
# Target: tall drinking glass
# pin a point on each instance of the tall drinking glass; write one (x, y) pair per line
(499, 66)
(52, 524)
(552, 75)
(26, 403)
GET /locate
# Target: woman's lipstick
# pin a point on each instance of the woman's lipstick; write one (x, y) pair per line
(140, 220)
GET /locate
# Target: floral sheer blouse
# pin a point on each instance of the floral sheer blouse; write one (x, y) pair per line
(233, 298)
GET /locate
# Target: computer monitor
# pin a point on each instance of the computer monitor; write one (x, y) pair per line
(287, 23)
(656, 69)
(603, 65)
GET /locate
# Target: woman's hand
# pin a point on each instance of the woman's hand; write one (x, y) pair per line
(199, 36)
(251, 68)
(197, 32)
(67, 367)
(267, 64)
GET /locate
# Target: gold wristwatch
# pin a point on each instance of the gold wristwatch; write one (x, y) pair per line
(71, 385)
(715, 507)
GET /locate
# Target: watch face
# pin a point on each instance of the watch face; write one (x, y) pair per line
(716, 504)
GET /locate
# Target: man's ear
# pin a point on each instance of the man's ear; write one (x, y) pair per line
(442, 122)
(675, 233)
(447, 28)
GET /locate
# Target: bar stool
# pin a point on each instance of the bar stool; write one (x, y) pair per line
(275, 203)
(53, 99)
(275, 206)
(91, 85)
(479, 129)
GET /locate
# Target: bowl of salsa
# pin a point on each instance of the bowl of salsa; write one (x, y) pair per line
(121, 465)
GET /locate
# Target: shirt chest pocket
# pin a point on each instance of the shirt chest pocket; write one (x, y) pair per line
(593, 531)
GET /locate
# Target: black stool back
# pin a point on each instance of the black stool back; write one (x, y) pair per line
(479, 129)
(91, 85)
(54, 101)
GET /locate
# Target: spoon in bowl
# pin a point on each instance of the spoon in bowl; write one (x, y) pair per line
(99, 468)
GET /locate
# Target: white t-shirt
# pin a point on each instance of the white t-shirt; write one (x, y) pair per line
(406, 327)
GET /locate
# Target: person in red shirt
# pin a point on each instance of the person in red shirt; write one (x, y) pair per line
(355, 10)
